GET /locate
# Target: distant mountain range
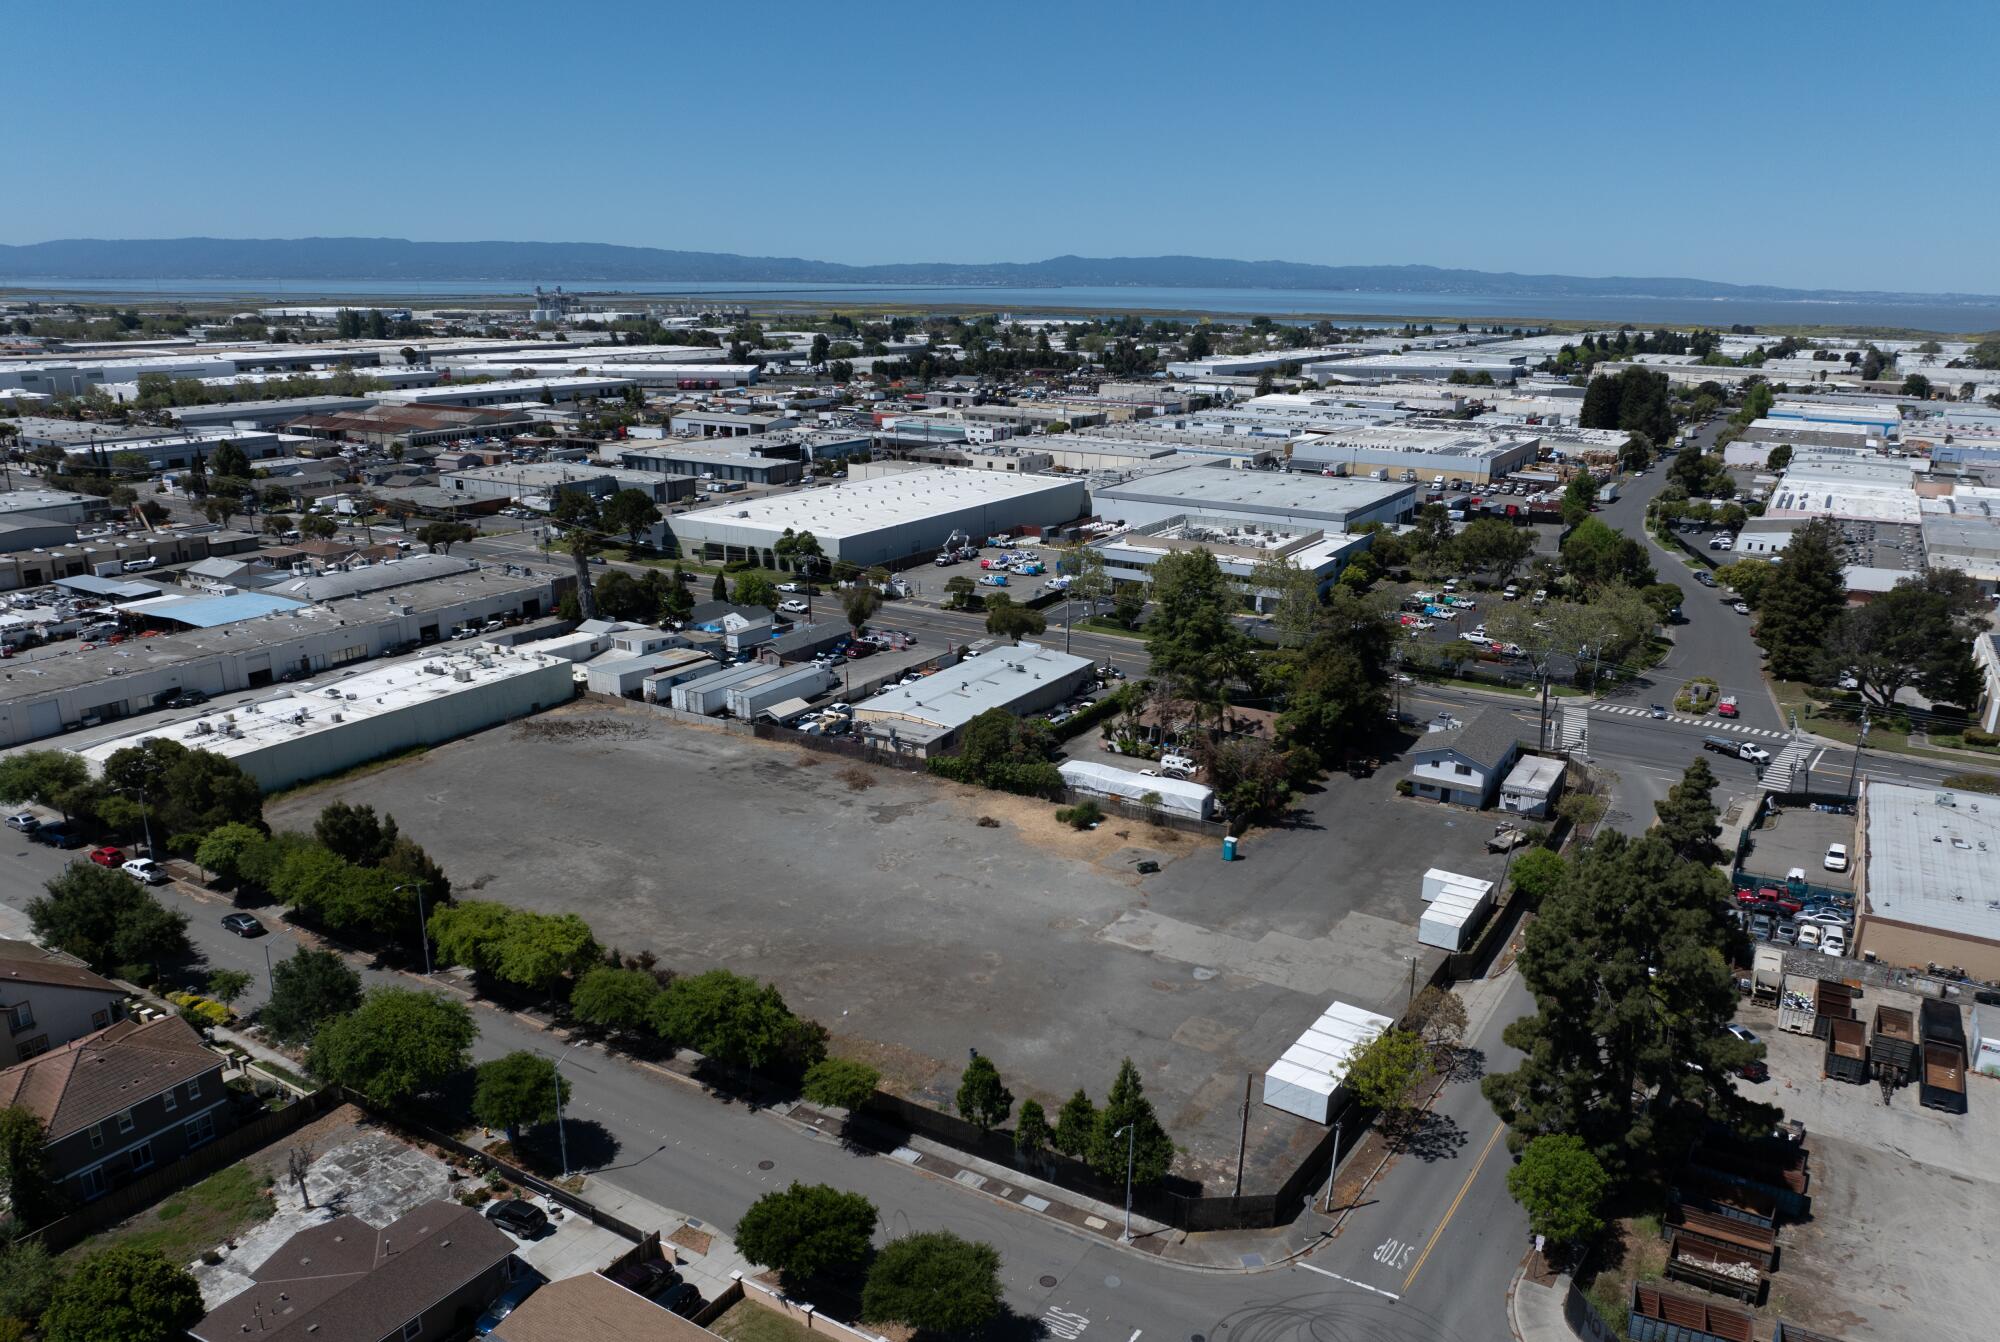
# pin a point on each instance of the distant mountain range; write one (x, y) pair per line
(390, 259)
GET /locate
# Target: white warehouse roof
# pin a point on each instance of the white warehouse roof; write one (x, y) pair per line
(862, 506)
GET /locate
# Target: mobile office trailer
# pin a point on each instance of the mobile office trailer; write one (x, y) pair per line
(709, 695)
(1437, 881)
(746, 699)
(1177, 796)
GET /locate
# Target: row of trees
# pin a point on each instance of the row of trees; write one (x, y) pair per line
(159, 786)
(1917, 635)
(356, 872)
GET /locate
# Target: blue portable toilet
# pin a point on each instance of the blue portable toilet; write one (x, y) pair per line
(1229, 848)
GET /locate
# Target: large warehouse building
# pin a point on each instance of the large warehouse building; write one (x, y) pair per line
(1297, 500)
(1472, 455)
(305, 733)
(882, 520)
(1929, 875)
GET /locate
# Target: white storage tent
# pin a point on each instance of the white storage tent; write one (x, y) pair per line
(1453, 918)
(1437, 880)
(1305, 1080)
(1177, 796)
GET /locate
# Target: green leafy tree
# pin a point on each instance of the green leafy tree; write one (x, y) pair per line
(1629, 961)
(1005, 619)
(1151, 1150)
(1489, 544)
(719, 589)
(615, 999)
(808, 1232)
(539, 950)
(229, 460)
(354, 834)
(840, 1082)
(227, 985)
(28, 1279)
(1917, 385)
(398, 1043)
(186, 791)
(1579, 496)
(1919, 634)
(756, 589)
(308, 988)
(53, 778)
(24, 1168)
(517, 1090)
(470, 933)
(1687, 815)
(1562, 1187)
(735, 1020)
(859, 603)
(1801, 600)
(960, 590)
(226, 850)
(629, 513)
(439, 537)
(1596, 555)
(1076, 1123)
(1781, 457)
(1537, 872)
(983, 1100)
(1192, 639)
(106, 919)
(1748, 579)
(1032, 1133)
(934, 1282)
(1384, 1072)
(123, 1294)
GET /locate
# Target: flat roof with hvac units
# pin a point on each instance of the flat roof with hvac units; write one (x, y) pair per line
(1305, 1080)
(308, 731)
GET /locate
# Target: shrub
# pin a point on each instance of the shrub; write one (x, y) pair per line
(213, 1013)
(1082, 815)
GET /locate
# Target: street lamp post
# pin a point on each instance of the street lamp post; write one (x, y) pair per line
(1854, 770)
(1131, 1131)
(423, 925)
(562, 1134)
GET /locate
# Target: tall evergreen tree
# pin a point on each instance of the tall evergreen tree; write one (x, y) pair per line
(1917, 634)
(1150, 1149)
(1801, 601)
(1628, 962)
(1687, 815)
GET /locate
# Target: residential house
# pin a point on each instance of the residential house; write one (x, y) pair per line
(1986, 656)
(47, 999)
(425, 1276)
(124, 1100)
(592, 1308)
(1465, 764)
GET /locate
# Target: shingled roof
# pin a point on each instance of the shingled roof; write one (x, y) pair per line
(90, 1079)
(346, 1281)
(25, 962)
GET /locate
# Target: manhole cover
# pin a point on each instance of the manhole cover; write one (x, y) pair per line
(1111, 1281)
(767, 1164)
(1045, 1281)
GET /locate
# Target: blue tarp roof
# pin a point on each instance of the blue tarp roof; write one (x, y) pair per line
(207, 612)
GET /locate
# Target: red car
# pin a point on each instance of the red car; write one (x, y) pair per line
(108, 856)
(1771, 894)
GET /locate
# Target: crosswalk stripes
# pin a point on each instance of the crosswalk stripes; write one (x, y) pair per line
(1778, 777)
(1711, 724)
(1573, 733)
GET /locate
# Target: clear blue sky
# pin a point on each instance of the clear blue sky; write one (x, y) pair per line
(1809, 145)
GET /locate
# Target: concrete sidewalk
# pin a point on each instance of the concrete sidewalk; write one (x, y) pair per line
(1535, 1309)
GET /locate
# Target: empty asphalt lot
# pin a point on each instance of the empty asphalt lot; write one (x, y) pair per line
(879, 905)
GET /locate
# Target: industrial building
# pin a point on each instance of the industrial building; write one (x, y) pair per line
(1239, 548)
(883, 520)
(1475, 456)
(268, 414)
(925, 718)
(709, 462)
(726, 423)
(1928, 869)
(558, 390)
(47, 505)
(1438, 364)
(550, 478)
(310, 731)
(1268, 497)
(411, 425)
(1250, 365)
(352, 623)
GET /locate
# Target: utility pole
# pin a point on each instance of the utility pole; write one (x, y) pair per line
(1333, 1165)
(1243, 1139)
(1854, 770)
(1544, 739)
(1131, 1131)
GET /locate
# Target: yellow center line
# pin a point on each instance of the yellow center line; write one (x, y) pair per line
(1452, 1210)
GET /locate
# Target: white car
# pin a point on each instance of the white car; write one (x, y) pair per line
(146, 871)
(1836, 857)
(792, 607)
(788, 587)
(1834, 942)
(1756, 754)
(1741, 608)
